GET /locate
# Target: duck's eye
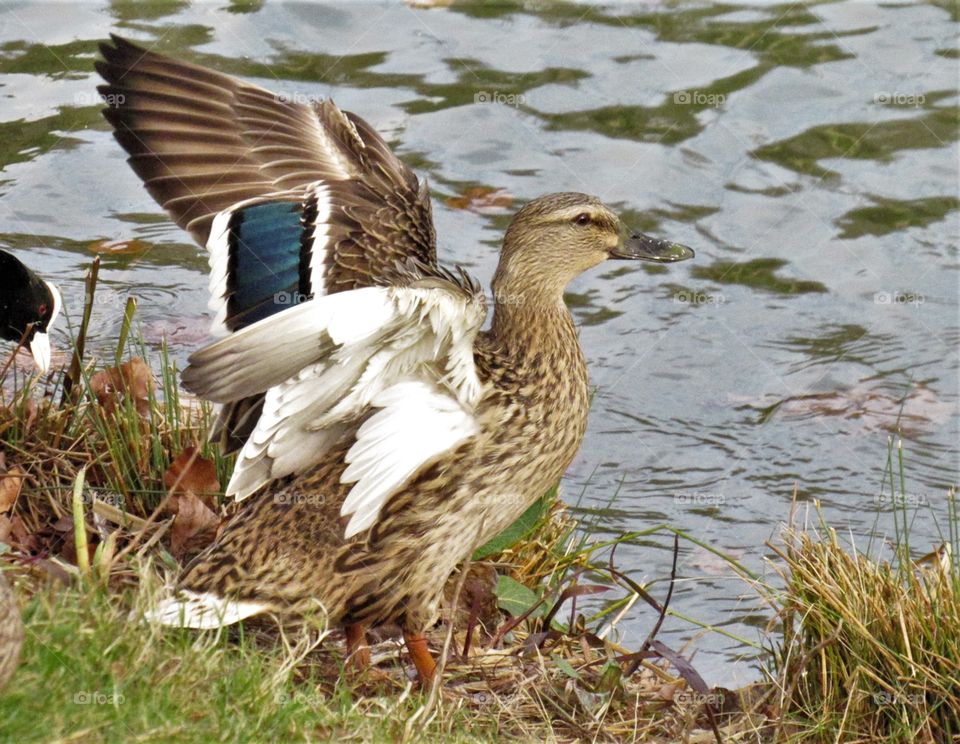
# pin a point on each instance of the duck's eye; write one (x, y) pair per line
(582, 219)
(42, 309)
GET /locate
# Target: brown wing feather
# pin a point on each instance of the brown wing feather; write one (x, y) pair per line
(202, 141)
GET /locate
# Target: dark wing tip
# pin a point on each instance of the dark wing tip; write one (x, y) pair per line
(110, 50)
(121, 52)
(118, 58)
(120, 44)
(116, 116)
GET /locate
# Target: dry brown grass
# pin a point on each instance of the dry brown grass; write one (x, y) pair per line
(871, 648)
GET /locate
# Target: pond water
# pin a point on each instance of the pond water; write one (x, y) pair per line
(807, 153)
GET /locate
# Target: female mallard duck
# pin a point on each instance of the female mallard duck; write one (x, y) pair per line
(391, 433)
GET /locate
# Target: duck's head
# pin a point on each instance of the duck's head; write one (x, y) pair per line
(28, 307)
(555, 238)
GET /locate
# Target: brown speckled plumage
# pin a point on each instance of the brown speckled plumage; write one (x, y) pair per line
(366, 223)
(286, 547)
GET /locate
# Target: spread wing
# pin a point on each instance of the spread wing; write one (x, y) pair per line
(293, 201)
(390, 366)
(204, 142)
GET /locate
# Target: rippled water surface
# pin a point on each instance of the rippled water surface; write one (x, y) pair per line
(808, 154)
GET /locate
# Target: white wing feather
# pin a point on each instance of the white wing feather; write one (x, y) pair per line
(416, 422)
(405, 351)
(201, 611)
(275, 349)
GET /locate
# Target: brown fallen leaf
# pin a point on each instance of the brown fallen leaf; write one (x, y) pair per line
(669, 691)
(54, 570)
(131, 379)
(11, 481)
(5, 529)
(477, 603)
(194, 527)
(132, 247)
(62, 541)
(920, 410)
(30, 415)
(189, 472)
(482, 200)
(21, 537)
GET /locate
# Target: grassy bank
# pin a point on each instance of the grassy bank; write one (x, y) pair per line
(107, 486)
(870, 646)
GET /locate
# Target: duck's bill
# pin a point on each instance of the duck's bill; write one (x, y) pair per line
(641, 247)
(40, 349)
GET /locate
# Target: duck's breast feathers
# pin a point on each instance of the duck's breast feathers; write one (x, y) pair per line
(204, 142)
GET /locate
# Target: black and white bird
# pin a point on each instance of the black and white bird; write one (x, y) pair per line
(28, 307)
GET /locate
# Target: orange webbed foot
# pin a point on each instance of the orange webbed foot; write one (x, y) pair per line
(422, 658)
(358, 650)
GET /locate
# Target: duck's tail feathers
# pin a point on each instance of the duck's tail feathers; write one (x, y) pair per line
(201, 611)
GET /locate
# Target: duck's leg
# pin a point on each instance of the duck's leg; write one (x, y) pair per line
(357, 648)
(420, 654)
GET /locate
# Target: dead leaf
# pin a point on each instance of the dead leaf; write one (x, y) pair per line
(5, 529)
(477, 602)
(482, 200)
(10, 484)
(54, 570)
(132, 247)
(669, 691)
(65, 542)
(32, 410)
(193, 484)
(194, 527)
(920, 410)
(21, 537)
(131, 379)
(191, 473)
